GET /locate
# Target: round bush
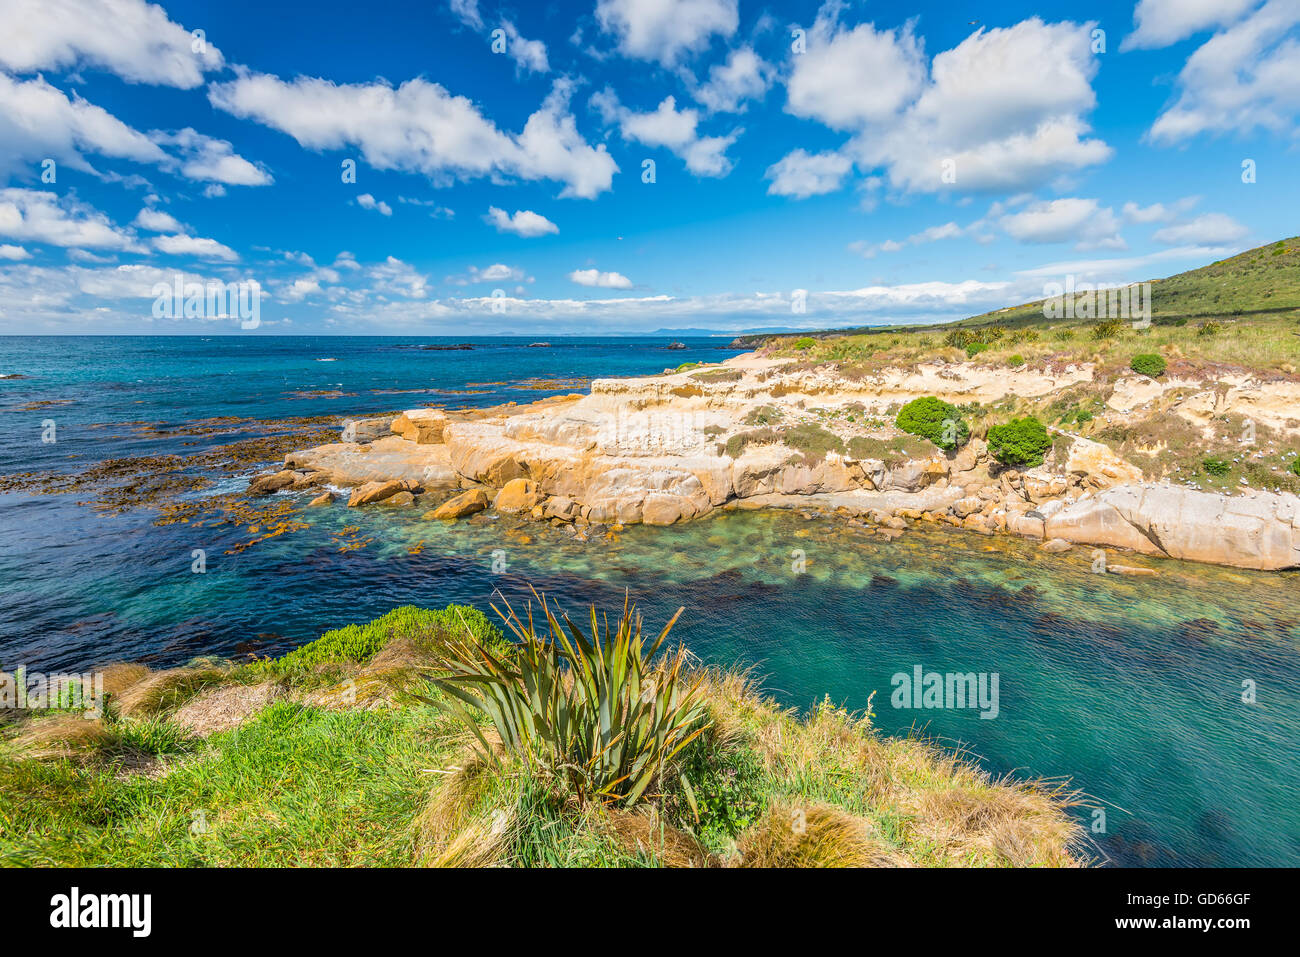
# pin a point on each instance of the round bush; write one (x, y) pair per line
(1295, 465)
(1214, 466)
(1016, 361)
(1021, 442)
(807, 342)
(936, 420)
(1148, 364)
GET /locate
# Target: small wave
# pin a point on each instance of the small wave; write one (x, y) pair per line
(327, 360)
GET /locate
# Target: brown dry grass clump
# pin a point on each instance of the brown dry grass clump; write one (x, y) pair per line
(69, 736)
(225, 707)
(938, 807)
(165, 690)
(815, 835)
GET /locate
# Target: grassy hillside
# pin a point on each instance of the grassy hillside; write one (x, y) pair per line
(329, 756)
(1263, 282)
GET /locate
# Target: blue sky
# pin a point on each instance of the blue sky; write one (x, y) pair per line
(813, 165)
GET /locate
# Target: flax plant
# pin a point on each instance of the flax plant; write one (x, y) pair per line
(596, 711)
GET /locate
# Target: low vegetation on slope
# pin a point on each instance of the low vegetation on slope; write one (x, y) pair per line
(1212, 328)
(390, 751)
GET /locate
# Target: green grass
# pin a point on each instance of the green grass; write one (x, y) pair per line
(360, 643)
(1242, 312)
(301, 785)
(295, 786)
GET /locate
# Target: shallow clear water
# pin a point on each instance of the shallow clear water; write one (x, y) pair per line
(1130, 687)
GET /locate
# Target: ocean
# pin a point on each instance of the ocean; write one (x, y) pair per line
(1131, 688)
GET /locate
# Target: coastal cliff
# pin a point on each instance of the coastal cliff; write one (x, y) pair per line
(768, 431)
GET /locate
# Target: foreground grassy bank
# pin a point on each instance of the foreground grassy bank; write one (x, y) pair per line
(359, 750)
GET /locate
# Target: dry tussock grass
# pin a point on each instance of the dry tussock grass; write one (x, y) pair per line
(643, 831)
(458, 827)
(792, 834)
(946, 803)
(164, 690)
(61, 736)
(225, 707)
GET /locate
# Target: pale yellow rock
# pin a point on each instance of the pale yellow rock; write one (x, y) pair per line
(653, 449)
(373, 492)
(268, 484)
(1097, 462)
(518, 495)
(325, 498)
(421, 426)
(467, 503)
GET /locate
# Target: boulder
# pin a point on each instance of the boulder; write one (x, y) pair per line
(967, 506)
(421, 426)
(661, 508)
(325, 498)
(1099, 465)
(373, 492)
(562, 508)
(1056, 545)
(467, 503)
(366, 430)
(401, 498)
(267, 484)
(518, 495)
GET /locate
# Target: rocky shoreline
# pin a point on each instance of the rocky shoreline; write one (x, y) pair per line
(665, 449)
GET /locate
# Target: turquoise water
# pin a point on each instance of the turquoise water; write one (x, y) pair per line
(1130, 687)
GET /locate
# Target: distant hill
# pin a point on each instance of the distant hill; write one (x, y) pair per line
(1260, 281)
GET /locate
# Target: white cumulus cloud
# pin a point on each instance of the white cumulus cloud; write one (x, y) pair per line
(132, 38)
(603, 280)
(802, 174)
(422, 127)
(524, 222)
(1209, 229)
(666, 31)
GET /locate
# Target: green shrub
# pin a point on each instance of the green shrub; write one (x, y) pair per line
(1213, 466)
(1020, 442)
(807, 342)
(591, 711)
(1016, 360)
(1107, 329)
(1148, 364)
(1295, 465)
(964, 338)
(936, 420)
(763, 415)
(975, 348)
(360, 643)
(1209, 329)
